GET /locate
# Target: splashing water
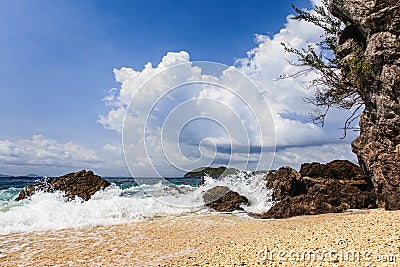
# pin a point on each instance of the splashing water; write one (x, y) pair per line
(51, 211)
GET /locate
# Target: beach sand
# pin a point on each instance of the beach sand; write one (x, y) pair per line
(217, 240)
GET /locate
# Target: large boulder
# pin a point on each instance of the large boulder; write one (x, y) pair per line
(222, 199)
(342, 170)
(337, 192)
(285, 182)
(82, 184)
(372, 33)
(337, 169)
(318, 188)
(301, 205)
(326, 196)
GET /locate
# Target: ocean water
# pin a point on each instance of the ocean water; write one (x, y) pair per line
(126, 200)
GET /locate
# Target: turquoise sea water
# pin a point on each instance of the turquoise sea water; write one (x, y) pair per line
(126, 200)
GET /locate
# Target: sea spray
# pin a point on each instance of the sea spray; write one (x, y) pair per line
(251, 186)
(114, 205)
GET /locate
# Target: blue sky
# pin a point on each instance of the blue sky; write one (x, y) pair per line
(58, 56)
(57, 60)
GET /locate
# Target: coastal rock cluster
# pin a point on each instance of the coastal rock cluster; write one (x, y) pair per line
(82, 184)
(319, 188)
(316, 189)
(372, 33)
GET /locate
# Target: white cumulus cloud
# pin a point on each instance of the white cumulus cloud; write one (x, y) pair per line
(41, 153)
(158, 129)
(158, 124)
(46, 156)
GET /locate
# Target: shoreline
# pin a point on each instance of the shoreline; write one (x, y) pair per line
(373, 236)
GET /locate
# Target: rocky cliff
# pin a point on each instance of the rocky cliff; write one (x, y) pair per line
(371, 39)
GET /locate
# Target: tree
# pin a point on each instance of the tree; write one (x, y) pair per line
(331, 88)
(358, 62)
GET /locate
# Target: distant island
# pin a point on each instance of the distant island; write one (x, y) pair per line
(210, 171)
(220, 171)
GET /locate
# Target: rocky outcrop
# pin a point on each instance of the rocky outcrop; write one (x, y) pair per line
(222, 199)
(286, 182)
(373, 33)
(302, 205)
(337, 169)
(319, 188)
(343, 170)
(328, 196)
(82, 184)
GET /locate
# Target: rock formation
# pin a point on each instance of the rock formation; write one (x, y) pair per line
(286, 183)
(319, 188)
(221, 198)
(343, 170)
(373, 34)
(82, 184)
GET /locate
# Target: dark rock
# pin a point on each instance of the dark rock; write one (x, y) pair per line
(337, 169)
(301, 205)
(375, 35)
(326, 196)
(334, 191)
(343, 170)
(82, 184)
(314, 170)
(327, 188)
(221, 198)
(202, 182)
(285, 182)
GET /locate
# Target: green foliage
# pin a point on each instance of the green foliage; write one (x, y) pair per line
(330, 88)
(360, 70)
(212, 172)
(323, 19)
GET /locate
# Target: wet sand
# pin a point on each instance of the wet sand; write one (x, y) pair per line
(358, 238)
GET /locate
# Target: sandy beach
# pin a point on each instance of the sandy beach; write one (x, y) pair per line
(357, 238)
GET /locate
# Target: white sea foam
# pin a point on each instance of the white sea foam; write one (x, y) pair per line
(251, 186)
(51, 211)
